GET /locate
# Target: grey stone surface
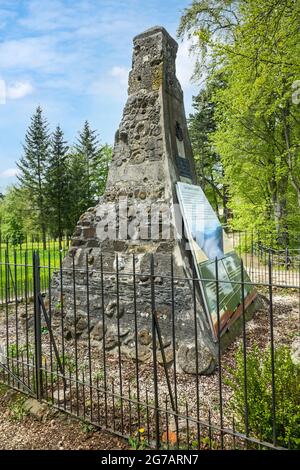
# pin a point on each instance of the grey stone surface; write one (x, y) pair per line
(3, 358)
(152, 134)
(295, 351)
(35, 408)
(192, 361)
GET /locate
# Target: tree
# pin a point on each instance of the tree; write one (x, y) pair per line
(32, 166)
(101, 169)
(57, 185)
(79, 202)
(253, 45)
(17, 217)
(89, 151)
(77, 186)
(209, 168)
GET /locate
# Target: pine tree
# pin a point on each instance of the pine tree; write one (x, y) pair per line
(89, 150)
(78, 200)
(77, 187)
(57, 177)
(101, 169)
(33, 164)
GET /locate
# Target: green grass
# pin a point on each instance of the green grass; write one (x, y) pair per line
(16, 267)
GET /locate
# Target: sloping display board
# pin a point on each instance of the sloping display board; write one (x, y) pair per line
(214, 258)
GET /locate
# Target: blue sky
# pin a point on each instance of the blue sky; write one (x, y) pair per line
(73, 57)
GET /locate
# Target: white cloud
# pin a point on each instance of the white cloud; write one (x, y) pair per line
(18, 90)
(108, 88)
(185, 67)
(185, 64)
(9, 173)
(114, 84)
(121, 73)
(26, 53)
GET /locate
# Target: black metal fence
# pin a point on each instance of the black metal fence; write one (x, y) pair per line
(51, 349)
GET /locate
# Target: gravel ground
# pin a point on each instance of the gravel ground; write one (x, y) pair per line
(286, 327)
(56, 431)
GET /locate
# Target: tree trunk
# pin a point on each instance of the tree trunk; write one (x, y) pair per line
(280, 213)
(44, 236)
(226, 211)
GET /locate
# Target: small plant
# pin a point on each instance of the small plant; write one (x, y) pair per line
(87, 428)
(205, 443)
(16, 354)
(13, 351)
(68, 362)
(17, 410)
(137, 441)
(259, 395)
(16, 351)
(118, 403)
(99, 375)
(44, 330)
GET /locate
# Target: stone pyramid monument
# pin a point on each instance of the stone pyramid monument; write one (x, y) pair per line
(136, 219)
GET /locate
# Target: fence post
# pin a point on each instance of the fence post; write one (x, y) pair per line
(37, 326)
(286, 259)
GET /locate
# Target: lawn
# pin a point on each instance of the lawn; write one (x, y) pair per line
(16, 267)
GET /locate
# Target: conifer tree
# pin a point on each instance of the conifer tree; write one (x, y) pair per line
(57, 184)
(77, 187)
(88, 150)
(78, 177)
(33, 164)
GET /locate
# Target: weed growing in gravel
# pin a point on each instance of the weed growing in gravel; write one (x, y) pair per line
(17, 410)
(87, 428)
(137, 441)
(15, 351)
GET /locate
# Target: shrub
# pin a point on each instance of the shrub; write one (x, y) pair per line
(259, 395)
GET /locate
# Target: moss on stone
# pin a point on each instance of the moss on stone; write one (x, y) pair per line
(157, 77)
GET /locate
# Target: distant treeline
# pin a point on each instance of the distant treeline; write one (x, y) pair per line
(56, 183)
(245, 129)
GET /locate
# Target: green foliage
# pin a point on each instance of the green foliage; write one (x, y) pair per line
(101, 169)
(68, 362)
(15, 351)
(259, 395)
(252, 46)
(23, 255)
(32, 165)
(58, 194)
(88, 169)
(209, 169)
(17, 216)
(17, 410)
(137, 441)
(87, 428)
(99, 375)
(206, 442)
(56, 185)
(94, 161)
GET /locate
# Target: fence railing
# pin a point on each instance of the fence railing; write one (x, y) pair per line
(15, 259)
(258, 250)
(64, 339)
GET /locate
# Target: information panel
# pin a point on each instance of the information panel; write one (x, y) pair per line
(209, 243)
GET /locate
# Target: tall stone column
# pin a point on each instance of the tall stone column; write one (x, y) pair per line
(137, 216)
